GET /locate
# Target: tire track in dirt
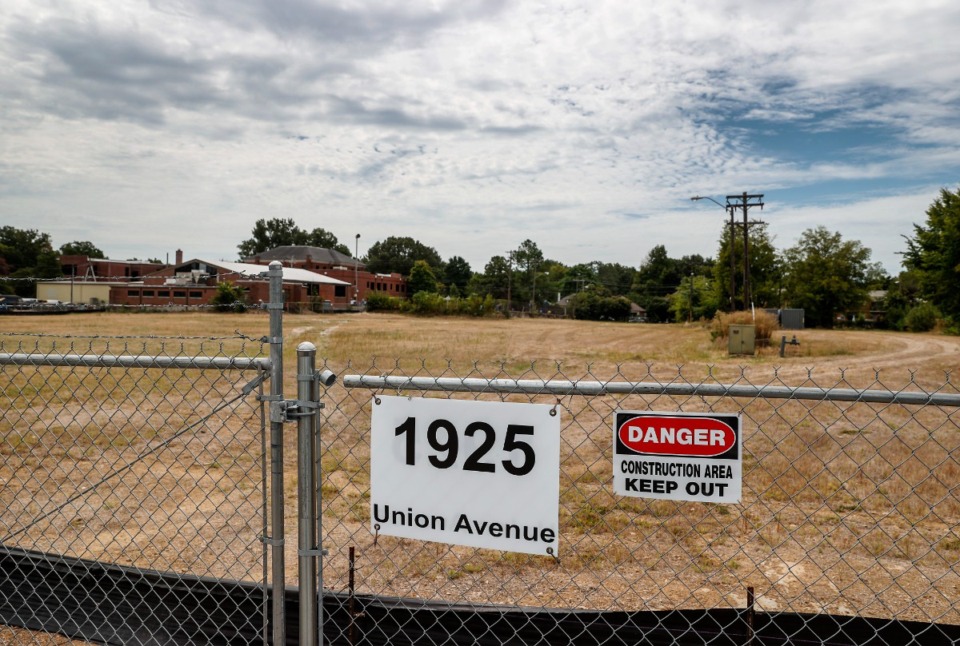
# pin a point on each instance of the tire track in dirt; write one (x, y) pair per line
(898, 356)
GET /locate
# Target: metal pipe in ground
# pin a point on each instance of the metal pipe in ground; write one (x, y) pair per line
(275, 308)
(306, 414)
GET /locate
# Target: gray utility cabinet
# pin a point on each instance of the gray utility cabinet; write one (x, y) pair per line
(742, 339)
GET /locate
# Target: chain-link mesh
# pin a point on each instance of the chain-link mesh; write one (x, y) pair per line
(850, 507)
(122, 460)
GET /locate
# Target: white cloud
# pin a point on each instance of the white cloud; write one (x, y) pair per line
(468, 125)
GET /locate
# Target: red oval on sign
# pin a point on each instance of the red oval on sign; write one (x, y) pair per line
(680, 436)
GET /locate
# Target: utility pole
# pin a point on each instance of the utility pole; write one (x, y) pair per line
(509, 279)
(356, 271)
(744, 201)
(733, 262)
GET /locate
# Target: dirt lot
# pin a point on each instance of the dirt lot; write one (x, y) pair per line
(848, 508)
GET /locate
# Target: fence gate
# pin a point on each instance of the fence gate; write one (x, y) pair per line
(132, 483)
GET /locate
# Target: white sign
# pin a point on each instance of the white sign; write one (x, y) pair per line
(481, 474)
(696, 457)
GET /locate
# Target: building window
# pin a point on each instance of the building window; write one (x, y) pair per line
(340, 290)
(196, 294)
(179, 293)
(148, 292)
(133, 292)
(163, 293)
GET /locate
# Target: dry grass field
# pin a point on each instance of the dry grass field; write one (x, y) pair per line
(848, 508)
(577, 345)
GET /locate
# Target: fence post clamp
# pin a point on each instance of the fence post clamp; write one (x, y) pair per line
(290, 410)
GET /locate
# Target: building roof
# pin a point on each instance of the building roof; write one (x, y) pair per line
(299, 254)
(290, 274)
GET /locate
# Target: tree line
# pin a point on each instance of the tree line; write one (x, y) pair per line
(829, 277)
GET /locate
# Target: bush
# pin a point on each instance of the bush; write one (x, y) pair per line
(428, 303)
(229, 298)
(589, 306)
(921, 318)
(377, 302)
(433, 304)
(765, 324)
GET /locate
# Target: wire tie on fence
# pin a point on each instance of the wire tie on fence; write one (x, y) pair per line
(376, 400)
(273, 542)
(376, 534)
(555, 557)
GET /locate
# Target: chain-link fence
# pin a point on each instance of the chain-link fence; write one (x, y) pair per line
(132, 483)
(849, 509)
(143, 497)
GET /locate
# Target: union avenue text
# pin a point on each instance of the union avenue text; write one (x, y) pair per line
(464, 525)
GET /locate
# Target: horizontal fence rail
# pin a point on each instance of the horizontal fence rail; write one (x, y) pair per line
(129, 361)
(598, 388)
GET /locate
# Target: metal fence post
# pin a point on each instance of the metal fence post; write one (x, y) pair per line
(275, 307)
(307, 406)
(326, 378)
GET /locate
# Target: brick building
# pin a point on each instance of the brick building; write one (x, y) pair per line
(334, 264)
(194, 282)
(103, 269)
(314, 278)
(91, 279)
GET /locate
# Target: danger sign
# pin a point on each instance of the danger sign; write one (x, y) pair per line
(678, 456)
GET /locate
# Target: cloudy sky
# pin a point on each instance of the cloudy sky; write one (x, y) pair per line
(585, 125)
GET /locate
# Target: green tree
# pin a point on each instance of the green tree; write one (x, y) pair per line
(21, 248)
(48, 265)
(696, 299)
(422, 278)
(765, 269)
(280, 232)
(577, 278)
(527, 258)
(81, 248)
(26, 254)
(457, 274)
(596, 304)
(495, 279)
(614, 276)
(934, 253)
(826, 275)
(903, 294)
(320, 237)
(658, 277)
(398, 255)
(268, 234)
(552, 277)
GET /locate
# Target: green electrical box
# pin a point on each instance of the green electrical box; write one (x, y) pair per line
(742, 339)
